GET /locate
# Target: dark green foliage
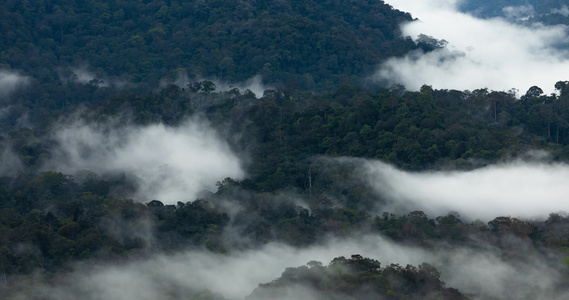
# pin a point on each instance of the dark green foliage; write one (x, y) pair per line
(84, 51)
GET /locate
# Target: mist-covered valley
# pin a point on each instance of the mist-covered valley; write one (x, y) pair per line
(284, 150)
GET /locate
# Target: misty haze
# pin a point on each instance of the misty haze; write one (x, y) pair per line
(284, 150)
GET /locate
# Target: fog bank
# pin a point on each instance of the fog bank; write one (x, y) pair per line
(235, 275)
(170, 164)
(481, 53)
(517, 189)
(10, 81)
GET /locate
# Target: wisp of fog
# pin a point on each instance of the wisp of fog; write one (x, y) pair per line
(10, 81)
(516, 189)
(481, 53)
(171, 164)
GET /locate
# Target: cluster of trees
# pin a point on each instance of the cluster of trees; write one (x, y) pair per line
(358, 278)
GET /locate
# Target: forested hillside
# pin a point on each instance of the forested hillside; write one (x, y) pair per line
(128, 172)
(305, 44)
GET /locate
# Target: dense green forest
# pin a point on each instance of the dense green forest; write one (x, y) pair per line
(61, 219)
(101, 72)
(137, 44)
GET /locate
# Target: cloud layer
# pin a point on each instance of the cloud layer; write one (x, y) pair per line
(171, 164)
(235, 275)
(522, 190)
(481, 53)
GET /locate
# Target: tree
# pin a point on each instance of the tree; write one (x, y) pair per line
(208, 86)
(533, 93)
(563, 88)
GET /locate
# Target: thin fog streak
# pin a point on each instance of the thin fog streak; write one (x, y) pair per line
(237, 274)
(10, 164)
(171, 164)
(481, 53)
(523, 190)
(254, 84)
(82, 75)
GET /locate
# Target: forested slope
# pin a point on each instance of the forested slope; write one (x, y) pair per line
(119, 153)
(306, 44)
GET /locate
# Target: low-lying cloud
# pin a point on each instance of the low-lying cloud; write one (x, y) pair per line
(564, 10)
(518, 189)
(237, 274)
(82, 75)
(10, 81)
(481, 53)
(170, 164)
